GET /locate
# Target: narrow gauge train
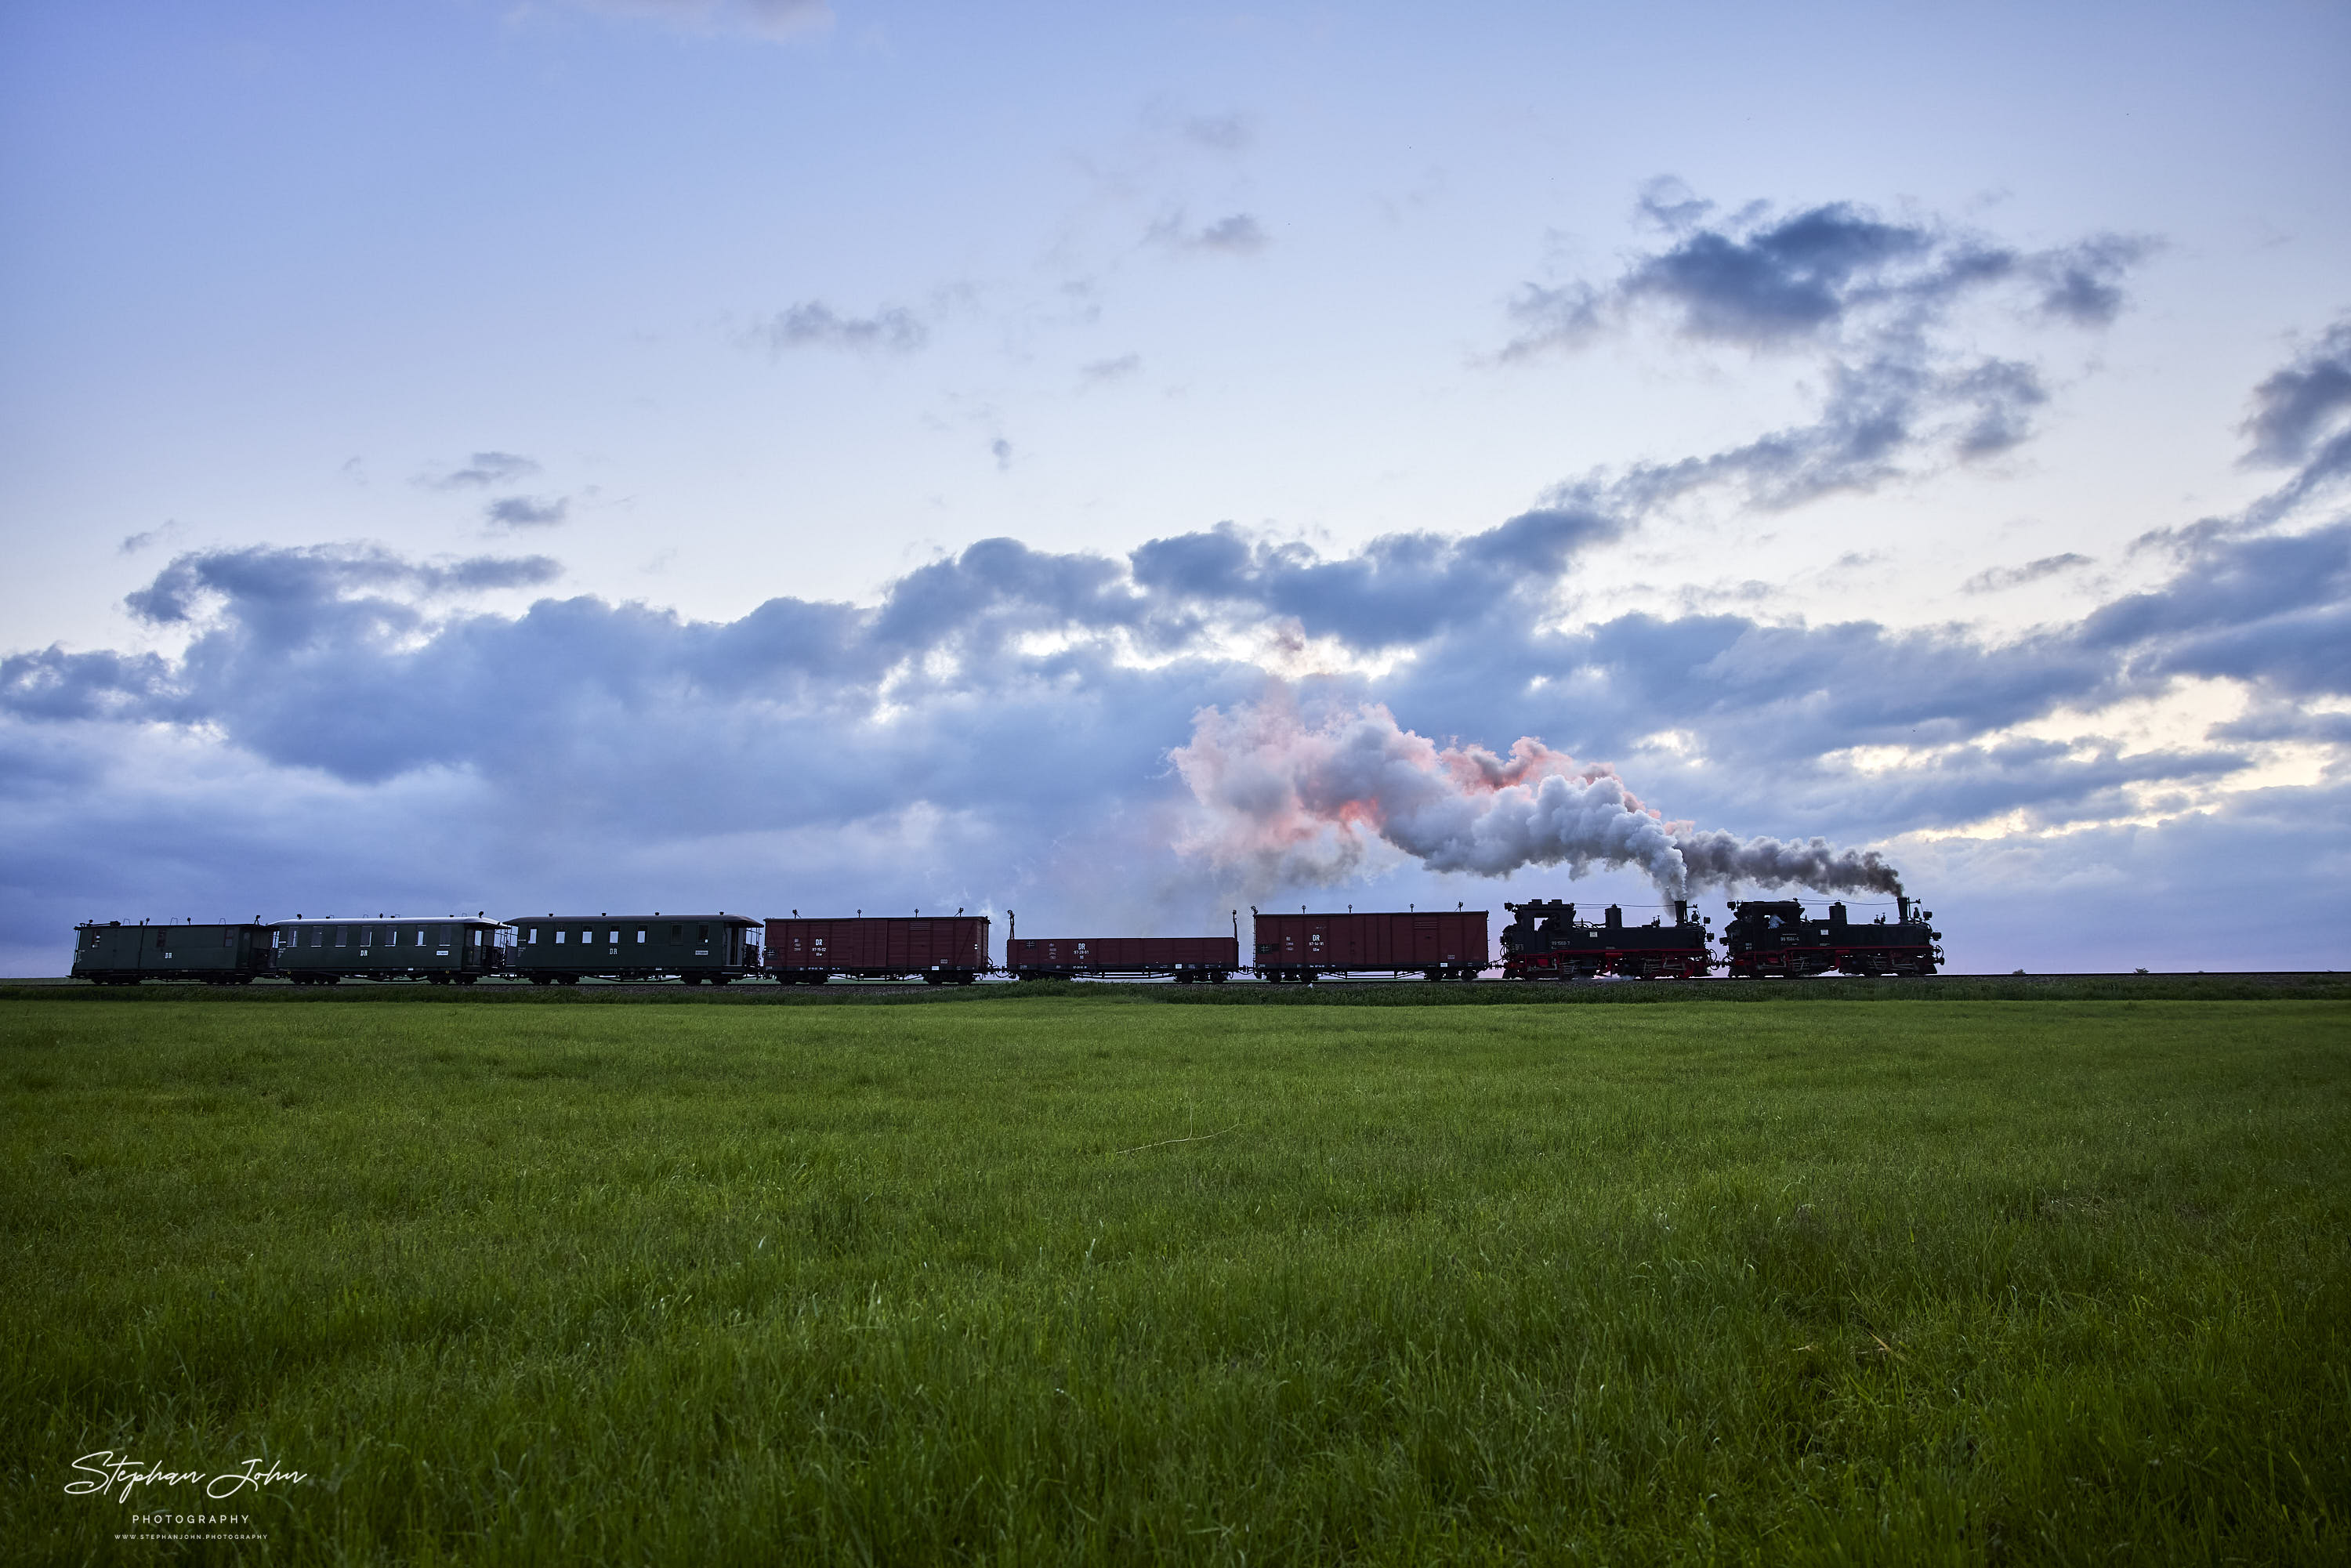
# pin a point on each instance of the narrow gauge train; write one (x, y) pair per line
(1774, 938)
(449, 950)
(1442, 944)
(108, 953)
(944, 950)
(1547, 942)
(700, 949)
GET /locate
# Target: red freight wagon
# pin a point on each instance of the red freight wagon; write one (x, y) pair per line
(1447, 944)
(943, 950)
(1188, 959)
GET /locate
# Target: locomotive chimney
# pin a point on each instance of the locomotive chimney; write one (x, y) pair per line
(1902, 904)
(1681, 912)
(1837, 913)
(1616, 917)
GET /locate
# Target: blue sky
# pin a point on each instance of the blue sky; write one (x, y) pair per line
(779, 456)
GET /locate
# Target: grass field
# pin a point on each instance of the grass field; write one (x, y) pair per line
(1083, 1278)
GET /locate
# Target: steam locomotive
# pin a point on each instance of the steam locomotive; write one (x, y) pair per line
(1772, 938)
(1545, 940)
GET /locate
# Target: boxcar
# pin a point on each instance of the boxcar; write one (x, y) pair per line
(711, 949)
(1547, 942)
(1774, 937)
(448, 949)
(1187, 959)
(941, 950)
(114, 954)
(1442, 944)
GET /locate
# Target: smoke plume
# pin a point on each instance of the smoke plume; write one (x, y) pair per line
(1290, 799)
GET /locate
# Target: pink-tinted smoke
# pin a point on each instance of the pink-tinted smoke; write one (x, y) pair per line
(1289, 800)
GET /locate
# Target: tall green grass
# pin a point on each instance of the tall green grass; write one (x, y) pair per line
(1078, 1278)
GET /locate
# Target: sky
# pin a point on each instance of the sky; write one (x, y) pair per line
(1127, 465)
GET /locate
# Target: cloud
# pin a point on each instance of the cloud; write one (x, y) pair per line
(2293, 407)
(2299, 418)
(2082, 284)
(1765, 281)
(1017, 723)
(1220, 132)
(1667, 203)
(1238, 234)
(1994, 578)
(483, 470)
(525, 512)
(264, 583)
(1870, 300)
(812, 324)
(999, 723)
(1103, 372)
(1001, 450)
(760, 18)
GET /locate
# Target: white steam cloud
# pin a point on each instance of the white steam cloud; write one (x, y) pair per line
(1289, 800)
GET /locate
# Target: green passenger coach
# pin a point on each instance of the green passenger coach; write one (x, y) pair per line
(451, 950)
(114, 954)
(557, 949)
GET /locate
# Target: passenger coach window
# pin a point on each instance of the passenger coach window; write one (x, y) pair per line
(341, 932)
(702, 934)
(640, 935)
(559, 935)
(676, 933)
(533, 938)
(611, 937)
